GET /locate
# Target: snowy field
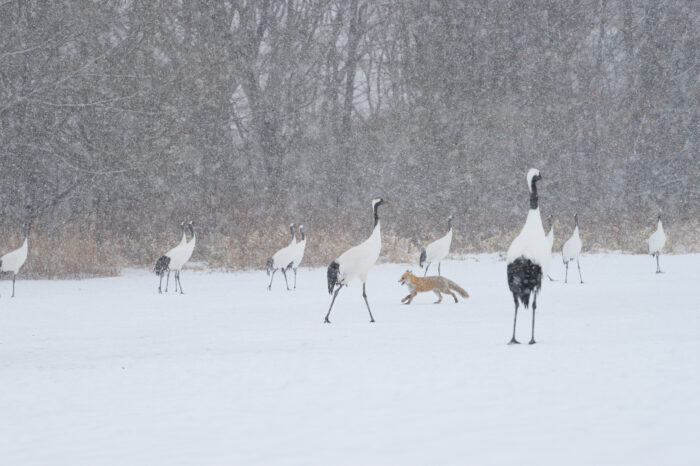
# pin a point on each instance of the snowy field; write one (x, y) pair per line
(107, 372)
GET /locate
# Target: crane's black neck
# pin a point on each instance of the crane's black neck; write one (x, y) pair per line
(303, 236)
(449, 223)
(191, 227)
(533, 195)
(376, 213)
(291, 228)
(575, 220)
(550, 221)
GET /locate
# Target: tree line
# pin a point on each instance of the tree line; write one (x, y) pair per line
(120, 119)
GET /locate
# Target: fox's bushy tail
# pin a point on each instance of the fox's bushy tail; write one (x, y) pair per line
(457, 288)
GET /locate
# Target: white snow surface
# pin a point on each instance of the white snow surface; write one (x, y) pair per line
(531, 242)
(108, 372)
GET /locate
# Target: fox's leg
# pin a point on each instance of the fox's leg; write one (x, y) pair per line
(439, 297)
(411, 296)
(406, 299)
(452, 294)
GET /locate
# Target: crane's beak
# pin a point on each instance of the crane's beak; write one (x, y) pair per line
(388, 203)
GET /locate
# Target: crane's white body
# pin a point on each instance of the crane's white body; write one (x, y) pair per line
(358, 260)
(298, 256)
(531, 243)
(14, 260)
(179, 254)
(438, 249)
(188, 250)
(285, 256)
(572, 247)
(657, 240)
(550, 238)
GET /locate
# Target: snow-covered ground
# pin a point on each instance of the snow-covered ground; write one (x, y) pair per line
(107, 372)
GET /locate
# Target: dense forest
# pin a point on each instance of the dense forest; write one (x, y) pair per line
(120, 119)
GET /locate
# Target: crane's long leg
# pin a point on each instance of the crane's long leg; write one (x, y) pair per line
(14, 275)
(269, 287)
(534, 307)
(284, 272)
(167, 282)
(180, 282)
(364, 295)
(566, 277)
(579, 270)
(550, 278)
(426, 269)
(439, 269)
(658, 267)
(295, 278)
(326, 321)
(513, 341)
(160, 284)
(177, 274)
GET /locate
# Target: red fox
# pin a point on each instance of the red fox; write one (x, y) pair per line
(436, 284)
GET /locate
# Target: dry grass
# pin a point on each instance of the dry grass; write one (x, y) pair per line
(78, 252)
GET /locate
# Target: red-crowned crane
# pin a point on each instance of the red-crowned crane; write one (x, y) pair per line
(656, 243)
(282, 259)
(14, 260)
(170, 258)
(572, 250)
(437, 250)
(356, 262)
(528, 257)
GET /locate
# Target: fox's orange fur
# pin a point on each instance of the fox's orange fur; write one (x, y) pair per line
(436, 284)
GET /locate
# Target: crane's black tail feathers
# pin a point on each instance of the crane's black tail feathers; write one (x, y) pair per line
(162, 265)
(332, 276)
(270, 265)
(423, 257)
